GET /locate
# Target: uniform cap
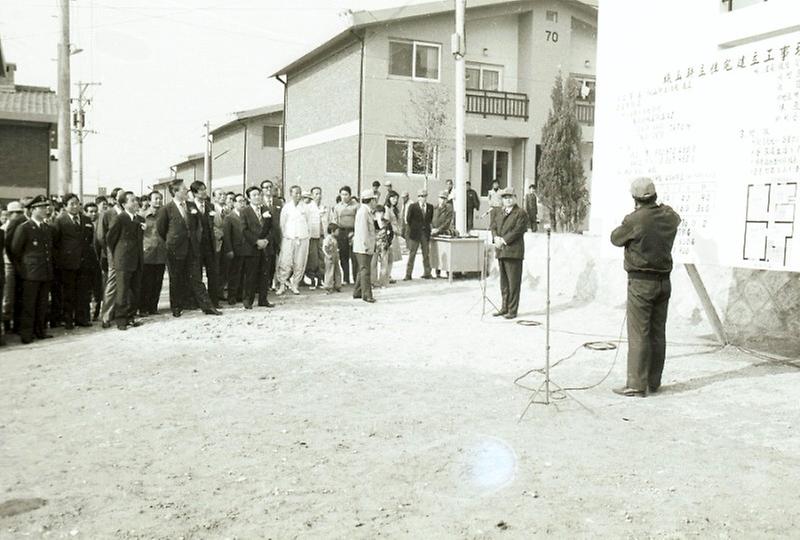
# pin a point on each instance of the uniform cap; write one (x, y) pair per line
(14, 206)
(508, 192)
(643, 188)
(307, 195)
(444, 194)
(367, 194)
(39, 200)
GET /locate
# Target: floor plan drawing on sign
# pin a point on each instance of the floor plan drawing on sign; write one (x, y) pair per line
(769, 224)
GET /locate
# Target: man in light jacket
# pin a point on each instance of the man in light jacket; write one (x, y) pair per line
(364, 245)
(294, 244)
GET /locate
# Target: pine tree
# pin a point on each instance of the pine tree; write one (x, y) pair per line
(562, 184)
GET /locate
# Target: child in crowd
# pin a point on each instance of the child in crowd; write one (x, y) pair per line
(333, 272)
(383, 242)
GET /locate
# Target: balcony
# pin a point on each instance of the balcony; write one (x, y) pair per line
(495, 103)
(584, 110)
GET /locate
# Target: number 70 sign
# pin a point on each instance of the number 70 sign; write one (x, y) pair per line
(551, 36)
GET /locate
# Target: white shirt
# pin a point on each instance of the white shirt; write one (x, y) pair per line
(317, 221)
(295, 220)
(180, 208)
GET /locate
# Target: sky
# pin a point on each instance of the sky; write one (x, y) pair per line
(165, 67)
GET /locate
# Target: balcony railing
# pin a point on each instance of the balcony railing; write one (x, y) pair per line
(585, 112)
(495, 103)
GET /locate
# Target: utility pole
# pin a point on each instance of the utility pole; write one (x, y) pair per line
(458, 46)
(79, 127)
(64, 134)
(207, 160)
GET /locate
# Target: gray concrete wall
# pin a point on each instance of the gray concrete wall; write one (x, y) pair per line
(759, 309)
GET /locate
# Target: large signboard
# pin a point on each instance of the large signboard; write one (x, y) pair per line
(720, 135)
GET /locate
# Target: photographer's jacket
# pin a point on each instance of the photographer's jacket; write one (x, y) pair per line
(648, 234)
(511, 226)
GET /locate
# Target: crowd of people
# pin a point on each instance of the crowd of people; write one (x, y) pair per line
(71, 263)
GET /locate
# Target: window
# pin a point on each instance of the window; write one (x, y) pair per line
(552, 16)
(406, 156)
(484, 77)
(415, 60)
(271, 137)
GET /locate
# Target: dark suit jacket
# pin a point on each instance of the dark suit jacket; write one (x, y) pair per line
(419, 225)
(443, 219)
(531, 207)
(205, 221)
(73, 245)
(101, 229)
(253, 230)
(177, 233)
(124, 239)
(232, 238)
(32, 248)
(10, 229)
(512, 228)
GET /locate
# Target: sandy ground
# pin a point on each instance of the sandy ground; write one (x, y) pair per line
(331, 418)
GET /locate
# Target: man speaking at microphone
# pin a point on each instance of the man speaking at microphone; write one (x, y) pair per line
(647, 235)
(509, 224)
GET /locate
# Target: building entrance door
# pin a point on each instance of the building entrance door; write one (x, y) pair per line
(495, 164)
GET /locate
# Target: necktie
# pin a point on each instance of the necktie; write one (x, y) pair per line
(183, 211)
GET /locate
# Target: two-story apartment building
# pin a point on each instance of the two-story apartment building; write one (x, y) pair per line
(353, 105)
(190, 169)
(248, 149)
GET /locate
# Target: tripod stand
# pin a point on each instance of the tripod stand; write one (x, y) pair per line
(548, 387)
(485, 297)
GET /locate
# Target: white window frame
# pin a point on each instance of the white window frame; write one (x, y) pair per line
(414, 44)
(487, 67)
(410, 159)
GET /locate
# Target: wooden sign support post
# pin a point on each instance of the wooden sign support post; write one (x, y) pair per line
(705, 300)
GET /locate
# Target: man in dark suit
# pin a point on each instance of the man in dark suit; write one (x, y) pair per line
(256, 233)
(208, 251)
(531, 207)
(273, 205)
(32, 248)
(177, 224)
(418, 218)
(91, 211)
(75, 258)
(110, 286)
(233, 249)
(473, 205)
(508, 228)
(124, 241)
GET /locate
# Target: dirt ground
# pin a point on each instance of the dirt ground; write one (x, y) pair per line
(331, 418)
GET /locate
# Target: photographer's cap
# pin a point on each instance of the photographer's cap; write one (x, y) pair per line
(643, 188)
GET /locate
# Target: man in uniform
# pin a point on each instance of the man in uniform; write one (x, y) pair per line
(155, 258)
(647, 234)
(508, 228)
(32, 248)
